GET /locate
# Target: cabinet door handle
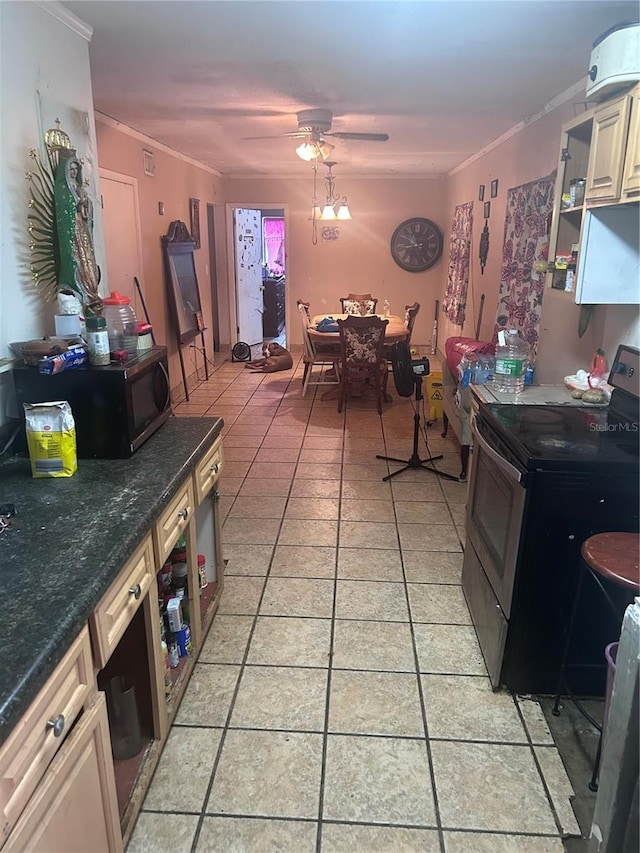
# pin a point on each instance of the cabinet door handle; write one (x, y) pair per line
(215, 495)
(215, 468)
(184, 513)
(57, 724)
(136, 591)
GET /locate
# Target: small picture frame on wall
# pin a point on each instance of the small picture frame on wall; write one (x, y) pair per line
(494, 188)
(194, 214)
(487, 209)
(481, 192)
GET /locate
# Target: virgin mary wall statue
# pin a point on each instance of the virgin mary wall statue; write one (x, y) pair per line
(74, 232)
(61, 224)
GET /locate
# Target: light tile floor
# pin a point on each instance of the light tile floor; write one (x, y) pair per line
(340, 702)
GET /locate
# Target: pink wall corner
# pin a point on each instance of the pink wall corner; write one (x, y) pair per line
(174, 183)
(527, 155)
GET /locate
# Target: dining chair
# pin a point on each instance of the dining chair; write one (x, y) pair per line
(359, 304)
(328, 374)
(306, 307)
(361, 363)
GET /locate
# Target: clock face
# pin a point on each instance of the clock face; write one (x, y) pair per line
(416, 244)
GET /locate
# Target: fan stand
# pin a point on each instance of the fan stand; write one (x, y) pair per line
(414, 461)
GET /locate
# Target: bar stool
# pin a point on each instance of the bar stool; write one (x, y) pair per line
(611, 559)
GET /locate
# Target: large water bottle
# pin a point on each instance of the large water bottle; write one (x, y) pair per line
(122, 325)
(512, 355)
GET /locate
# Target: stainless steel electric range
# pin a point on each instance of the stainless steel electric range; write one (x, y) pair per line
(544, 479)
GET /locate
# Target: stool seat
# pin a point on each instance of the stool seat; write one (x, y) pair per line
(615, 557)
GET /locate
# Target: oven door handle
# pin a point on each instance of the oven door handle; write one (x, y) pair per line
(507, 469)
(163, 406)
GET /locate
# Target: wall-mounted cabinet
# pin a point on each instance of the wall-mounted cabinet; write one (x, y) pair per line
(568, 209)
(609, 268)
(593, 242)
(608, 148)
(631, 173)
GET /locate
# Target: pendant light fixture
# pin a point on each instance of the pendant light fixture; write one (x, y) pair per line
(335, 207)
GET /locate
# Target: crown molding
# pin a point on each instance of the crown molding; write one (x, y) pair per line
(148, 140)
(578, 88)
(62, 14)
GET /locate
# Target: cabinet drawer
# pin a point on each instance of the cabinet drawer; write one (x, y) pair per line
(173, 520)
(111, 617)
(27, 753)
(75, 809)
(208, 470)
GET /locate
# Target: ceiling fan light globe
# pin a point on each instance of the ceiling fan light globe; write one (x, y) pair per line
(307, 151)
(324, 149)
(328, 213)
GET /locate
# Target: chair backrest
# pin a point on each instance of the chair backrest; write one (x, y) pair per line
(306, 307)
(359, 304)
(303, 309)
(410, 314)
(361, 342)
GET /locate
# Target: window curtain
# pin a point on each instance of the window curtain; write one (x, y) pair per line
(524, 260)
(454, 303)
(274, 245)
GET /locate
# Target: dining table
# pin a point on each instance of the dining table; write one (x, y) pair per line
(395, 330)
(330, 341)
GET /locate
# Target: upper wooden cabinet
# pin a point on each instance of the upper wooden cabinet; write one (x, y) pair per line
(631, 171)
(612, 141)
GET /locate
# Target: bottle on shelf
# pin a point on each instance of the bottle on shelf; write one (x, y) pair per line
(511, 361)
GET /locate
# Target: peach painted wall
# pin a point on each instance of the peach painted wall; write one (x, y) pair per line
(360, 260)
(530, 154)
(175, 182)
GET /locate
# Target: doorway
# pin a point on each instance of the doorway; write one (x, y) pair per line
(262, 288)
(123, 243)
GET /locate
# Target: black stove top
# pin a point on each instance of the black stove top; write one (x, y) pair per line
(565, 437)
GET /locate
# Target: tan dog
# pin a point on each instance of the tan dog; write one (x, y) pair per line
(275, 358)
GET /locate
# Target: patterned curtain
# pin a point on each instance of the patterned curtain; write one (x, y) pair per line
(454, 303)
(524, 260)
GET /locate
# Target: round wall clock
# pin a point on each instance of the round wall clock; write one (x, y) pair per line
(416, 244)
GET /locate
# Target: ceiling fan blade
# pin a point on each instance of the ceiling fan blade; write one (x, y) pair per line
(296, 134)
(367, 137)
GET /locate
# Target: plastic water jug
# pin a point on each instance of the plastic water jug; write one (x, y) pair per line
(122, 325)
(512, 355)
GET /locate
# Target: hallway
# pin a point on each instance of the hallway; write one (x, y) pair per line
(341, 701)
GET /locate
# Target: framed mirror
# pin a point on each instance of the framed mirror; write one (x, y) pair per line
(182, 282)
(183, 291)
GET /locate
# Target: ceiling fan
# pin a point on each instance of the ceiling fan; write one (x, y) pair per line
(313, 126)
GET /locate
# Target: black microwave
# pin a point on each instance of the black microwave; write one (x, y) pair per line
(116, 408)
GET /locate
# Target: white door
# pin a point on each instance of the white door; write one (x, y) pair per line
(121, 227)
(247, 234)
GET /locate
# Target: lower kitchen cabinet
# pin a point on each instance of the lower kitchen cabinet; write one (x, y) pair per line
(75, 768)
(74, 809)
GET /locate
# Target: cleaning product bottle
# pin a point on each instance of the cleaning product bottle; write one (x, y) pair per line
(511, 361)
(598, 370)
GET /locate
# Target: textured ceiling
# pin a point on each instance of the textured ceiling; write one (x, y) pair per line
(443, 79)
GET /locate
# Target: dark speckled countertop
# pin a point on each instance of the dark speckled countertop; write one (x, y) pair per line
(68, 541)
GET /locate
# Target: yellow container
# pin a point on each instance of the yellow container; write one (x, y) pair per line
(434, 394)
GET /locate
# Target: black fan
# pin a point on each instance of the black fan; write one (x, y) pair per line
(241, 352)
(403, 375)
(407, 375)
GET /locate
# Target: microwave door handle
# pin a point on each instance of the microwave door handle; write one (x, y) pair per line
(507, 469)
(167, 400)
